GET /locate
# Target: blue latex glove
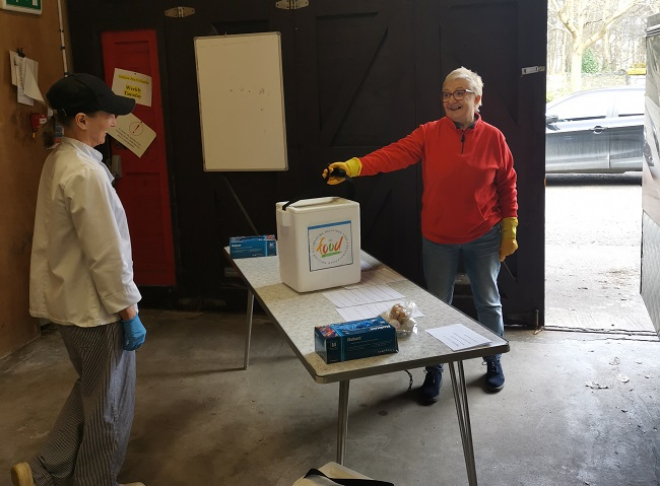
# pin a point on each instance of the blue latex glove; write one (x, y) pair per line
(134, 333)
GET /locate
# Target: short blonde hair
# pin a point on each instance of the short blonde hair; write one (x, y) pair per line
(474, 81)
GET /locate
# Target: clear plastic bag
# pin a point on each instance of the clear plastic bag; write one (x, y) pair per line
(400, 316)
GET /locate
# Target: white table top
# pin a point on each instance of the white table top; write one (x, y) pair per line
(298, 313)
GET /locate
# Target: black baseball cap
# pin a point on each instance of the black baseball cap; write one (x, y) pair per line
(85, 93)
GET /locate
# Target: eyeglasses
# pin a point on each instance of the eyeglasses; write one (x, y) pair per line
(458, 95)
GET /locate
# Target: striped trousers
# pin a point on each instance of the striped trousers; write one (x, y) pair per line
(87, 444)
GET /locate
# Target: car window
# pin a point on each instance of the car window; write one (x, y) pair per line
(585, 106)
(630, 103)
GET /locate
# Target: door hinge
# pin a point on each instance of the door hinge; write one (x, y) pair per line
(532, 70)
(179, 12)
(291, 4)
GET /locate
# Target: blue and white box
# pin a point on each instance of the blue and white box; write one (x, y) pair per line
(355, 339)
(252, 246)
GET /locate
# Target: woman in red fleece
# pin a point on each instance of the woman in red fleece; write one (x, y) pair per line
(469, 205)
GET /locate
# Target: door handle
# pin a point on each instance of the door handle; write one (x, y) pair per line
(598, 129)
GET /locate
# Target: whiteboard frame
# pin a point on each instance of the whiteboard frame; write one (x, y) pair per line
(241, 102)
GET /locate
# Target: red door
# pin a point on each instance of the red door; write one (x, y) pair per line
(143, 186)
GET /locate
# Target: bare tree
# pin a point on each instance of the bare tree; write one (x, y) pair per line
(588, 21)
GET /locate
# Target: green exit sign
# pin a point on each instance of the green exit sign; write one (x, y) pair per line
(28, 6)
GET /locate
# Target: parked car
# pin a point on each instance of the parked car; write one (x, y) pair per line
(600, 130)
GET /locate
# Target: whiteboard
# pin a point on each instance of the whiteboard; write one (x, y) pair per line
(241, 102)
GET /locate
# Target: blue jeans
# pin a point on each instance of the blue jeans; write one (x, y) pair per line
(482, 265)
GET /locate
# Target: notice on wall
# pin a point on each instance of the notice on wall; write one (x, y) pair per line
(133, 134)
(24, 75)
(132, 85)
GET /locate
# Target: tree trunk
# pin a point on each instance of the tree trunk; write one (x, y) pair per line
(576, 68)
(607, 53)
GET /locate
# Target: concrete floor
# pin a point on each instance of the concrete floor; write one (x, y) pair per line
(577, 409)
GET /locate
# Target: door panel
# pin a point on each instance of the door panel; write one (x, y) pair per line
(361, 75)
(357, 59)
(143, 186)
(497, 39)
(650, 266)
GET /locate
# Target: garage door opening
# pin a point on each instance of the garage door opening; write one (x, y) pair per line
(594, 154)
(593, 244)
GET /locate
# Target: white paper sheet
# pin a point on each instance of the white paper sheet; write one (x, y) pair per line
(368, 311)
(13, 61)
(363, 295)
(20, 65)
(379, 276)
(31, 87)
(24, 75)
(458, 337)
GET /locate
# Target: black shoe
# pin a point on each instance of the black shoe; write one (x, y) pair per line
(430, 390)
(494, 375)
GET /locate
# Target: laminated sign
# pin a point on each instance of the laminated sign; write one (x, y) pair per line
(133, 85)
(330, 245)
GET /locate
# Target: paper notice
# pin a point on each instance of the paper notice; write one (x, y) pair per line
(31, 88)
(133, 133)
(380, 276)
(362, 295)
(132, 85)
(458, 337)
(13, 61)
(368, 311)
(24, 75)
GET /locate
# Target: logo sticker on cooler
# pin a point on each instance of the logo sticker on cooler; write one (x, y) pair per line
(330, 245)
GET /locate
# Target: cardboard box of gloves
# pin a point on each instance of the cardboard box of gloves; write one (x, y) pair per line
(355, 339)
(252, 246)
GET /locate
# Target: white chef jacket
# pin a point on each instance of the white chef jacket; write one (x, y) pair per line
(81, 267)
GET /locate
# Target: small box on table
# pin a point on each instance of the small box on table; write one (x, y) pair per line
(252, 246)
(355, 339)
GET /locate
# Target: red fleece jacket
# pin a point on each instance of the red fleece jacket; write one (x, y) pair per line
(468, 175)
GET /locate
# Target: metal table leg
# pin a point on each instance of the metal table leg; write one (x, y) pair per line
(342, 420)
(460, 397)
(250, 307)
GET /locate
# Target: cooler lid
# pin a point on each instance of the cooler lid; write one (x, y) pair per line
(318, 204)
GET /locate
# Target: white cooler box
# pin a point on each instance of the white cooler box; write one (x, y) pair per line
(318, 242)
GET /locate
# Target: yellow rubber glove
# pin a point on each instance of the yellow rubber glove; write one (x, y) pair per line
(351, 167)
(509, 245)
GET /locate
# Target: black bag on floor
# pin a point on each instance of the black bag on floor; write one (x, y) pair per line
(315, 477)
(348, 482)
